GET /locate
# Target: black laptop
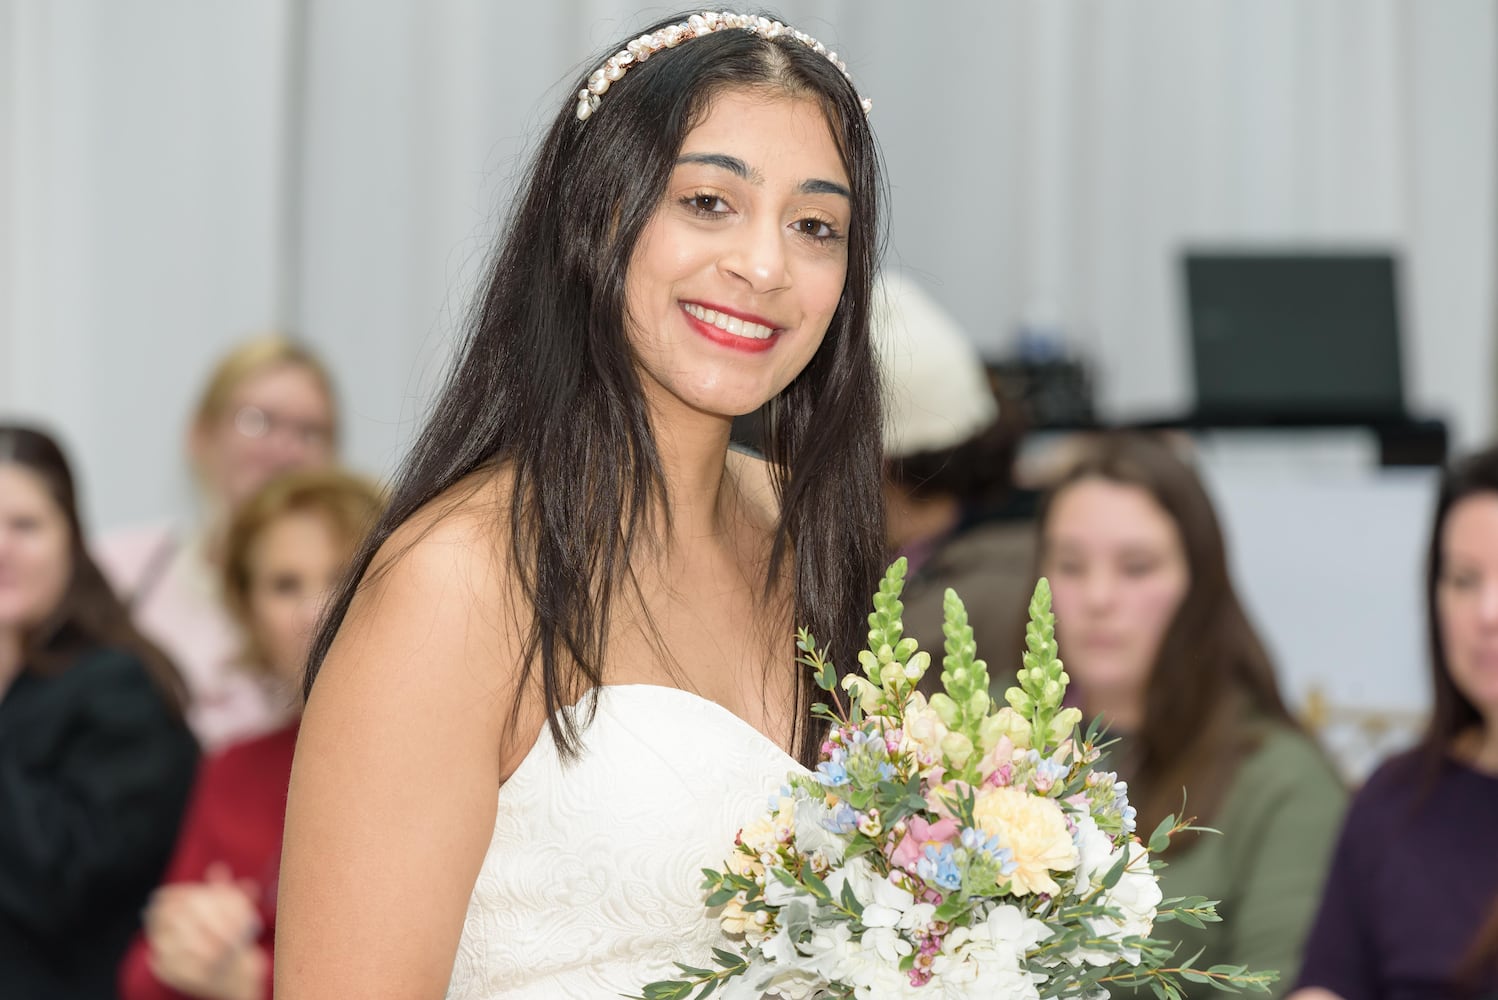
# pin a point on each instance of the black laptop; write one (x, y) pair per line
(1294, 337)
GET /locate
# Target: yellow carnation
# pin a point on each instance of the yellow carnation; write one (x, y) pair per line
(924, 730)
(734, 920)
(1034, 830)
(768, 832)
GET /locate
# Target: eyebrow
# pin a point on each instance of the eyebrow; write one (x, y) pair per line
(740, 169)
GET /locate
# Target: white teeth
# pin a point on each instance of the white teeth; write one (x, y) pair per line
(728, 324)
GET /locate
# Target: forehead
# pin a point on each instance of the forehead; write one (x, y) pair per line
(295, 535)
(1104, 510)
(771, 131)
(23, 489)
(1472, 526)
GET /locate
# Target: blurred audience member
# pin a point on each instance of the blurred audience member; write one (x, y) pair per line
(1156, 642)
(95, 760)
(268, 407)
(1410, 908)
(951, 506)
(209, 930)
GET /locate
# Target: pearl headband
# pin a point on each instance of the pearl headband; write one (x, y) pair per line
(696, 26)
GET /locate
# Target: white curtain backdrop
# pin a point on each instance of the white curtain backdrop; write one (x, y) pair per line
(177, 173)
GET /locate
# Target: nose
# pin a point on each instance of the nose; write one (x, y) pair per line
(756, 255)
(288, 448)
(309, 612)
(1097, 590)
(1487, 606)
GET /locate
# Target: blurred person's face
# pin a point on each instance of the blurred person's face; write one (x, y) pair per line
(278, 420)
(293, 566)
(1467, 600)
(1118, 574)
(740, 269)
(36, 560)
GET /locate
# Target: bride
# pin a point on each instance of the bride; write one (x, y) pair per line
(562, 674)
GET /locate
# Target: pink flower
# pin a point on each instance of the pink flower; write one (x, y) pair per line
(918, 837)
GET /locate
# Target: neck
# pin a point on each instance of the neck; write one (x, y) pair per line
(1122, 711)
(911, 519)
(1485, 749)
(10, 658)
(693, 450)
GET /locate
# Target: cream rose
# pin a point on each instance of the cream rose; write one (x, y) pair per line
(1035, 832)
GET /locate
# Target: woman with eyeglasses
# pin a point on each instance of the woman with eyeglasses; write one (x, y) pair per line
(268, 408)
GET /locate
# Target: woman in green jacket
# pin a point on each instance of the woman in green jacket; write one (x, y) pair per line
(1158, 644)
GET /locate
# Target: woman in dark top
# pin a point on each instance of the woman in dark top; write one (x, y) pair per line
(1410, 909)
(95, 760)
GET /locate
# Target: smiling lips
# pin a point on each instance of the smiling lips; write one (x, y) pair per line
(735, 330)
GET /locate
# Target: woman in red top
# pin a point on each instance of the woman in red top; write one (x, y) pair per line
(209, 928)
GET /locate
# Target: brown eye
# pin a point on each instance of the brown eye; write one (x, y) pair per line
(705, 203)
(817, 229)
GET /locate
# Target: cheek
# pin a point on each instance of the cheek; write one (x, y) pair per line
(277, 622)
(1154, 609)
(54, 568)
(1156, 602)
(1462, 628)
(1063, 591)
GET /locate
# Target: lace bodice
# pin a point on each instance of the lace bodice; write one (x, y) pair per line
(591, 884)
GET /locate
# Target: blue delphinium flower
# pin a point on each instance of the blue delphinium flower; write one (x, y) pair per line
(1121, 802)
(977, 842)
(939, 867)
(834, 771)
(841, 820)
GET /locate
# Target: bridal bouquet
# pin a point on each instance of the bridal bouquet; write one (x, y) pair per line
(946, 848)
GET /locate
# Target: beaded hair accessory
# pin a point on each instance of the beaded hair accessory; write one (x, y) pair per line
(696, 26)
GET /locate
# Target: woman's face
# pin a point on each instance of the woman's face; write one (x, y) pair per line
(293, 565)
(1118, 574)
(277, 420)
(1467, 600)
(738, 273)
(36, 559)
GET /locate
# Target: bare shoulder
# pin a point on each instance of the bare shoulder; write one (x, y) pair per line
(404, 744)
(438, 614)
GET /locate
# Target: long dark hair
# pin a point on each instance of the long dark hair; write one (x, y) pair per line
(1453, 712)
(1212, 677)
(546, 381)
(90, 615)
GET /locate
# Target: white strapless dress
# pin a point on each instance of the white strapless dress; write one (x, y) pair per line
(591, 887)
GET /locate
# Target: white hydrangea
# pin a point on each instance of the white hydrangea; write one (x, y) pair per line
(1137, 895)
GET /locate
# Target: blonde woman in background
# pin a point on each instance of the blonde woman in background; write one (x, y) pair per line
(209, 930)
(268, 408)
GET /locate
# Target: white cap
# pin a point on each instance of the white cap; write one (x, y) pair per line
(936, 389)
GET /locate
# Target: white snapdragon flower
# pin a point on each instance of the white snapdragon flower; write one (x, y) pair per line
(812, 833)
(888, 906)
(990, 955)
(777, 893)
(1136, 897)
(1095, 850)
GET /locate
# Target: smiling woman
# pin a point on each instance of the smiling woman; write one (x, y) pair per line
(746, 256)
(578, 612)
